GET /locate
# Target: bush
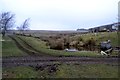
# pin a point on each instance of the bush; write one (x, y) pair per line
(80, 39)
(80, 45)
(90, 44)
(66, 42)
(74, 44)
(57, 45)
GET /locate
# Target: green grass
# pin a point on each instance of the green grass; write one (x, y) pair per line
(79, 53)
(64, 71)
(41, 46)
(87, 71)
(9, 48)
(23, 44)
(113, 36)
(19, 72)
(35, 42)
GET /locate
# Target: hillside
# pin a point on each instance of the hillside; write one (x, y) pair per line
(99, 37)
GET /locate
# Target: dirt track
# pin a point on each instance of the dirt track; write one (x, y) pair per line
(33, 61)
(29, 50)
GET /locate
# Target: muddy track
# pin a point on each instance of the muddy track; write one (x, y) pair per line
(29, 50)
(33, 61)
(30, 47)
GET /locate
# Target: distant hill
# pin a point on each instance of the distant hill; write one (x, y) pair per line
(83, 30)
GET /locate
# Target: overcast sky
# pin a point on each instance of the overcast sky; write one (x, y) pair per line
(62, 14)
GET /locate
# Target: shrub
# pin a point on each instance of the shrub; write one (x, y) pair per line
(56, 44)
(90, 44)
(66, 42)
(80, 45)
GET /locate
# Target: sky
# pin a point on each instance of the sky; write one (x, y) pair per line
(62, 14)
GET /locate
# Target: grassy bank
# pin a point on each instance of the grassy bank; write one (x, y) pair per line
(103, 36)
(98, 37)
(41, 46)
(64, 71)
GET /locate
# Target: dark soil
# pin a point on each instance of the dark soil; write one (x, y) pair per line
(40, 61)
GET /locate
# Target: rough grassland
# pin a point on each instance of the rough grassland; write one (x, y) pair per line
(19, 72)
(41, 46)
(10, 49)
(64, 71)
(113, 36)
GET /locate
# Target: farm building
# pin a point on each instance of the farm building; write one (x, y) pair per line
(105, 28)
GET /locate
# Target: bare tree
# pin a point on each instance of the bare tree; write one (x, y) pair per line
(6, 21)
(24, 26)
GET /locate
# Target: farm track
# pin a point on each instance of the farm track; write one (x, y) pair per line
(33, 59)
(27, 48)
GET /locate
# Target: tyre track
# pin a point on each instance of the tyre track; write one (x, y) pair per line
(33, 61)
(28, 45)
(27, 48)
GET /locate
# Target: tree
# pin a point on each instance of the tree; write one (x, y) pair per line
(24, 26)
(6, 21)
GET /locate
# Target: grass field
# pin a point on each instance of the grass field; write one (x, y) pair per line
(41, 46)
(19, 72)
(64, 71)
(9, 48)
(99, 37)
